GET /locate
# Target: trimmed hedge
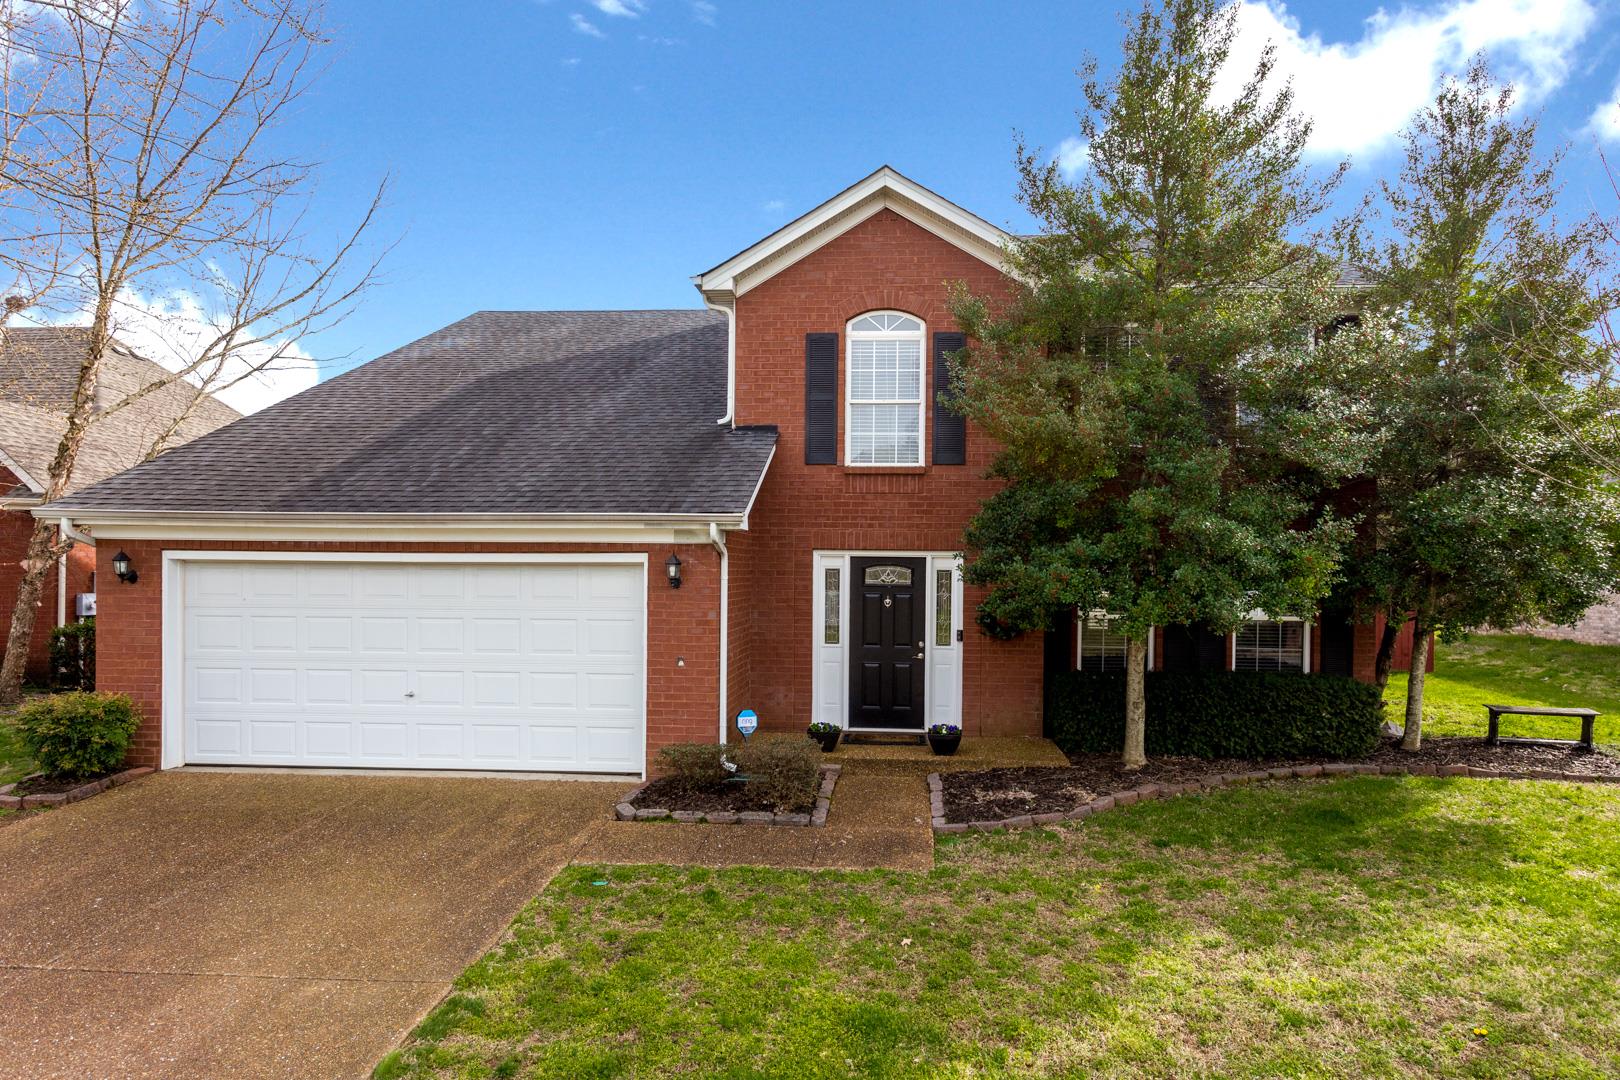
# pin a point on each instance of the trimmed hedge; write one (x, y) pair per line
(1219, 714)
(73, 656)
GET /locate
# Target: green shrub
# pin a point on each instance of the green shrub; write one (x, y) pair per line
(78, 733)
(1219, 714)
(694, 766)
(782, 771)
(73, 656)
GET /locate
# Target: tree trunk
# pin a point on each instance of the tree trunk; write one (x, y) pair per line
(1412, 739)
(1135, 704)
(43, 551)
(1385, 657)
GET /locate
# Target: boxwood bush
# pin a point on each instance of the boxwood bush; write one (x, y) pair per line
(1219, 714)
(78, 734)
(73, 656)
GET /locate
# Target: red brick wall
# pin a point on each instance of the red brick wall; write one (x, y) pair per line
(884, 263)
(682, 625)
(15, 528)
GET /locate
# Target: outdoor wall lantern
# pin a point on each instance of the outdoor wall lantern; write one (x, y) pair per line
(126, 573)
(673, 569)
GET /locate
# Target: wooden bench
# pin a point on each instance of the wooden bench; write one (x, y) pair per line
(1588, 717)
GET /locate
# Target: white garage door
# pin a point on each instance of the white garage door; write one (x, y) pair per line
(419, 665)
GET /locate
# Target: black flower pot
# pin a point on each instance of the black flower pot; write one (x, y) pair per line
(945, 745)
(828, 740)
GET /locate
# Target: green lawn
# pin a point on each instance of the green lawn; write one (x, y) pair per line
(1364, 927)
(1516, 670)
(14, 760)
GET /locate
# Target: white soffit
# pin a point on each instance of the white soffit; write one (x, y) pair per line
(885, 189)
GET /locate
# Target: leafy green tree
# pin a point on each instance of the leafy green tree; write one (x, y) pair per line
(1496, 419)
(1151, 471)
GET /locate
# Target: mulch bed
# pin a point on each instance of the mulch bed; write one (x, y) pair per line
(995, 794)
(39, 785)
(671, 794)
(32, 792)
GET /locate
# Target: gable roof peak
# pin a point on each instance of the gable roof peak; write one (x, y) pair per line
(886, 188)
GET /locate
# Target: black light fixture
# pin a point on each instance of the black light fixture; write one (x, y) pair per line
(673, 569)
(121, 567)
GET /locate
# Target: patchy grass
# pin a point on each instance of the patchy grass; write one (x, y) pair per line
(1516, 669)
(14, 760)
(1372, 926)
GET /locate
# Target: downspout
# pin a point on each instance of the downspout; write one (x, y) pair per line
(65, 526)
(725, 620)
(730, 312)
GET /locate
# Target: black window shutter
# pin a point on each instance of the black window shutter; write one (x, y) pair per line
(821, 399)
(950, 429)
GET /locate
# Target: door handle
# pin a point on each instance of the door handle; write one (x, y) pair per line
(410, 693)
(919, 656)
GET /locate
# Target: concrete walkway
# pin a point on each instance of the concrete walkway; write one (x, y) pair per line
(879, 816)
(245, 925)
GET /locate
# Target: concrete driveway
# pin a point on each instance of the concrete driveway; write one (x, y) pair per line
(252, 924)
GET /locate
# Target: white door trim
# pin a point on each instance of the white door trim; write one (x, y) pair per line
(172, 729)
(829, 688)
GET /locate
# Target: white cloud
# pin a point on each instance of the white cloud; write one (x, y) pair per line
(1605, 121)
(626, 9)
(704, 11)
(585, 26)
(174, 331)
(1072, 157)
(773, 206)
(570, 61)
(1362, 92)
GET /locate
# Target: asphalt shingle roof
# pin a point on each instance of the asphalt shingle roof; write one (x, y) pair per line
(504, 412)
(39, 368)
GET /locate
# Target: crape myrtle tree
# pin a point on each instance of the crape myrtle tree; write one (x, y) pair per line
(141, 153)
(1145, 475)
(1496, 501)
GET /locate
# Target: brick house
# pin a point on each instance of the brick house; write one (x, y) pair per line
(39, 367)
(556, 541)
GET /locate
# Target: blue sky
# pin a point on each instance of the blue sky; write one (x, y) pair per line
(597, 153)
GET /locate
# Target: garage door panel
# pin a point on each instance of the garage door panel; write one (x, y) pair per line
(400, 665)
(272, 686)
(497, 637)
(329, 633)
(270, 582)
(551, 585)
(328, 686)
(384, 635)
(328, 739)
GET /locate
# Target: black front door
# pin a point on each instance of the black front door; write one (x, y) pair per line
(888, 620)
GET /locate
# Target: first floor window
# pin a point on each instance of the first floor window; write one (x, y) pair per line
(944, 616)
(1270, 645)
(1102, 643)
(884, 389)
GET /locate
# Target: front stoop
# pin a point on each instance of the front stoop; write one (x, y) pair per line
(936, 790)
(817, 818)
(9, 801)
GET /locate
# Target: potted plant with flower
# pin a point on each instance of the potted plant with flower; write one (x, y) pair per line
(944, 739)
(826, 734)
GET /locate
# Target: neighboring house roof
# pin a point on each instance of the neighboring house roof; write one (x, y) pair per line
(39, 368)
(513, 413)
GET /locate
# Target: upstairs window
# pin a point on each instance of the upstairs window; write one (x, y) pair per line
(1266, 644)
(884, 390)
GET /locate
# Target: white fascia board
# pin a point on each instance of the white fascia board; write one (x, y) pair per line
(449, 528)
(884, 189)
(21, 473)
(753, 498)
